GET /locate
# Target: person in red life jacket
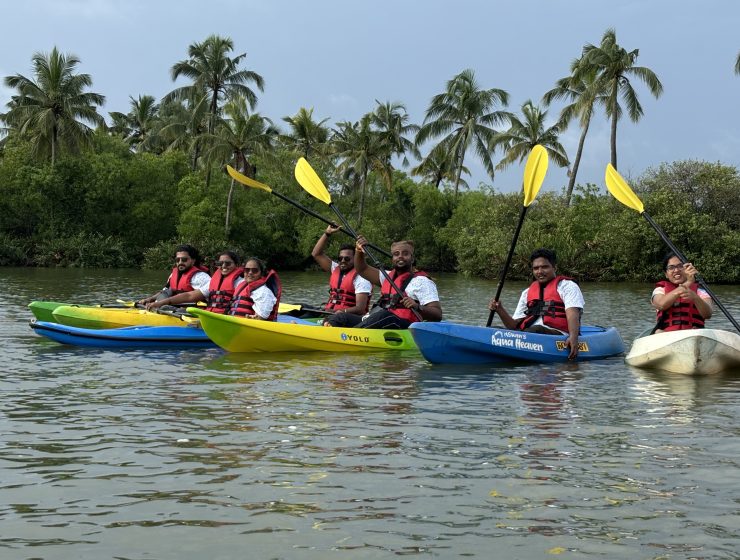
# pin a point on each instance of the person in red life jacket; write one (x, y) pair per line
(551, 305)
(258, 297)
(678, 300)
(393, 311)
(218, 294)
(348, 291)
(188, 274)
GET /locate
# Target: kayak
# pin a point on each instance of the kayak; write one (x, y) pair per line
(453, 343)
(126, 337)
(692, 352)
(90, 317)
(237, 334)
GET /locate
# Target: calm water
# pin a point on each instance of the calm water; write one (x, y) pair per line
(203, 454)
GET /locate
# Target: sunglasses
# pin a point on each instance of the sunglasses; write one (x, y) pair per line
(250, 270)
(224, 263)
(340, 259)
(182, 259)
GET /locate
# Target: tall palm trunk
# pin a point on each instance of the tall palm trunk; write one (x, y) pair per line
(576, 163)
(613, 136)
(228, 207)
(363, 185)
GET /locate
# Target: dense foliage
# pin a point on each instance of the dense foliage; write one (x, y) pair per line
(110, 207)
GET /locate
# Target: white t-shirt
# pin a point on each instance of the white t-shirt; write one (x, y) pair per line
(264, 301)
(361, 285)
(421, 288)
(199, 281)
(206, 291)
(569, 292)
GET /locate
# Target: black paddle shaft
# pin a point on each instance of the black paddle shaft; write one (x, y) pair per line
(500, 286)
(683, 259)
(320, 217)
(373, 258)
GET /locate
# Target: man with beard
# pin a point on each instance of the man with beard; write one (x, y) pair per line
(187, 275)
(348, 291)
(419, 300)
(551, 305)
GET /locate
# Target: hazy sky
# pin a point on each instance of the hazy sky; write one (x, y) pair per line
(339, 56)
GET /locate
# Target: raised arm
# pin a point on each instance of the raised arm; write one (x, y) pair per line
(318, 251)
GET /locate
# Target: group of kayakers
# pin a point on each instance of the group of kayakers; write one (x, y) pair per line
(552, 304)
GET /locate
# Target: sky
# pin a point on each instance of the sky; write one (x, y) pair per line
(340, 56)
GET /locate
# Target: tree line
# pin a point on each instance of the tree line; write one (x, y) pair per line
(77, 191)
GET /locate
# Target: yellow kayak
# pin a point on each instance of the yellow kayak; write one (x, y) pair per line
(237, 334)
(107, 318)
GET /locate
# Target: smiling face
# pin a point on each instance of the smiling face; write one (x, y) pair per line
(346, 260)
(402, 256)
(674, 271)
(543, 270)
(225, 264)
(183, 261)
(252, 271)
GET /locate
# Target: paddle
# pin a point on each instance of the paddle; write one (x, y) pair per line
(312, 184)
(624, 194)
(244, 180)
(534, 174)
(289, 308)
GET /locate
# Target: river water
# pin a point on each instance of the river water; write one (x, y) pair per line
(204, 454)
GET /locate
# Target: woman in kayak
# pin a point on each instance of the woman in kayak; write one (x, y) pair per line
(678, 300)
(551, 305)
(218, 293)
(258, 297)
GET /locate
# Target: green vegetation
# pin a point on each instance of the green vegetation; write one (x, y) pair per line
(124, 194)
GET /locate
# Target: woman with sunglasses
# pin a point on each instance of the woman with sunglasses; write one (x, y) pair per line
(258, 297)
(348, 291)
(678, 300)
(220, 290)
(187, 275)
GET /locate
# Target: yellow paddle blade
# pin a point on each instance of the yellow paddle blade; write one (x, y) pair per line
(534, 173)
(244, 180)
(288, 307)
(309, 180)
(126, 303)
(621, 190)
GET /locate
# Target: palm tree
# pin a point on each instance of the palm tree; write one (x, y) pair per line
(614, 67)
(52, 108)
(360, 150)
(390, 120)
(306, 135)
(215, 76)
(182, 125)
(464, 117)
(523, 135)
(437, 167)
(238, 137)
(581, 89)
(137, 125)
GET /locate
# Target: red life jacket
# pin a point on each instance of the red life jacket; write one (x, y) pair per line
(221, 290)
(243, 304)
(682, 315)
(545, 301)
(181, 283)
(391, 300)
(342, 290)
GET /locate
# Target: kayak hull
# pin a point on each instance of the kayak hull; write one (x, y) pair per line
(237, 334)
(42, 310)
(689, 352)
(113, 318)
(453, 343)
(125, 337)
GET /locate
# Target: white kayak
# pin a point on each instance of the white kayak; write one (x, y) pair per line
(692, 352)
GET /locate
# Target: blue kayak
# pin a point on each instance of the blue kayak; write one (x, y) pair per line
(453, 343)
(125, 337)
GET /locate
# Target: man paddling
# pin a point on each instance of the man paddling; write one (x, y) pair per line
(551, 305)
(678, 300)
(348, 291)
(394, 311)
(188, 274)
